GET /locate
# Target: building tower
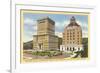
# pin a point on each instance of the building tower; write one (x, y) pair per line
(45, 38)
(72, 36)
(45, 26)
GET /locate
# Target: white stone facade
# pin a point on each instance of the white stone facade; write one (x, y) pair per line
(71, 48)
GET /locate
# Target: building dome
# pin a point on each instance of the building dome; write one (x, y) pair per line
(72, 19)
(73, 22)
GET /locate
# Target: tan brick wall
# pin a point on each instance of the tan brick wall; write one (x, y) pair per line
(45, 35)
(45, 27)
(72, 35)
(48, 42)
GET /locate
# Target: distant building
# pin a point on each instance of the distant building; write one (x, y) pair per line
(45, 38)
(72, 37)
(59, 42)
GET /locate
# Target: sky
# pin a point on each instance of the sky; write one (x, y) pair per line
(61, 21)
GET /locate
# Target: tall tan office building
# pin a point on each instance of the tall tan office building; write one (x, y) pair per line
(45, 38)
(72, 36)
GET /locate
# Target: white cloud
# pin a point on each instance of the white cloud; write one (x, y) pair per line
(84, 28)
(27, 38)
(59, 26)
(59, 34)
(29, 21)
(30, 29)
(83, 25)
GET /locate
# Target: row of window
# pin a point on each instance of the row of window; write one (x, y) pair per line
(72, 38)
(71, 49)
(78, 33)
(70, 42)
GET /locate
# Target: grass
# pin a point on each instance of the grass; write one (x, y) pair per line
(47, 53)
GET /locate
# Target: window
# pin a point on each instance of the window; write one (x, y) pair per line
(77, 32)
(70, 33)
(73, 48)
(70, 48)
(78, 41)
(67, 38)
(67, 49)
(67, 33)
(78, 49)
(70, 42)
(73, 32)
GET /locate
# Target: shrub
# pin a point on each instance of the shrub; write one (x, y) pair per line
(47, 53)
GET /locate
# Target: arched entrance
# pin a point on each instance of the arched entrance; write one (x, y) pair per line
(40, 45)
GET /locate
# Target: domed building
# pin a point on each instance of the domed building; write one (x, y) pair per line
(72, 37)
